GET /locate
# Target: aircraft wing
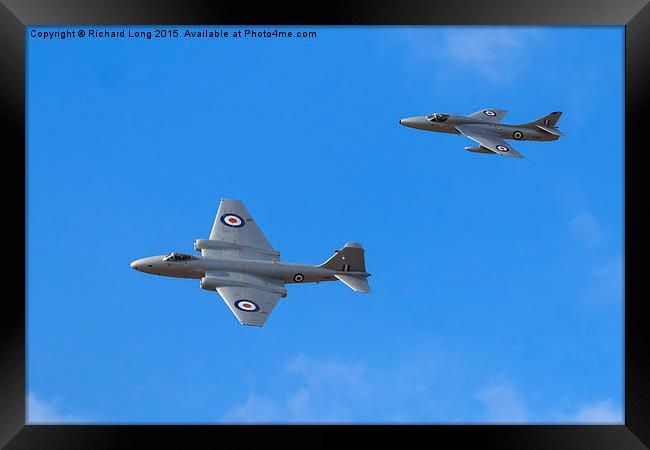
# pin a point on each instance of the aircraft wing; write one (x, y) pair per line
(493, 115)
(253, 302)
(235, 225)
(489, 140)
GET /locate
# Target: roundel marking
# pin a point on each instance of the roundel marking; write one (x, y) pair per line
(247, 305)
(503, 148)
(489, 112)
(298, 277)
(517, 134)
(232, 220)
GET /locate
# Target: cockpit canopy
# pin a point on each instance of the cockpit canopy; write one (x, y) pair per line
(437, 117)
(178, 257)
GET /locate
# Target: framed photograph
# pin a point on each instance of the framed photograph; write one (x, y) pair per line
(449, 184)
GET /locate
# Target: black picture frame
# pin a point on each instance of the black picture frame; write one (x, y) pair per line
(15, 15)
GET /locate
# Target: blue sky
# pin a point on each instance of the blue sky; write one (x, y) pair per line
(497, 282)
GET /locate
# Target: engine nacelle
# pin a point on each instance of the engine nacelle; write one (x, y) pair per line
(479, 150)
(212, 283)
(209, 244)
(225, 279)
(201, 244)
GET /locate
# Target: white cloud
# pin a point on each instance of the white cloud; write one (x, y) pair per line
(319, 372)
(587, 228)
(497, 54)
(323, 393)
(254, 410)
(600, 412)
(607, 282)
(333, 391)
(42, 412)
(503, 403)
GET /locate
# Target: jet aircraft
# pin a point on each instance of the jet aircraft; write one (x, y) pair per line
(239, 263)
(485, 128)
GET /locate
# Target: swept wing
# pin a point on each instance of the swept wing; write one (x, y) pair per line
(250, 298)
(237, 235)
(493, 115)
(489, 140)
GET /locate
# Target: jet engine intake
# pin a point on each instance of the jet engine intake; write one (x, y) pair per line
(212, 283)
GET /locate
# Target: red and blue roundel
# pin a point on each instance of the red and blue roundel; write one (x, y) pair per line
(489, 112)
(232, 220)
(298, 278)
(502, 148)
(247, 305)
(517, 134)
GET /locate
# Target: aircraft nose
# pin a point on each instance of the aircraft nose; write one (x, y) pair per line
(146, 265)
(409, 121)
(138, 264)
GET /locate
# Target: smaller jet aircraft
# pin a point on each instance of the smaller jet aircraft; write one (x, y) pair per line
(240, 264)
(485, 128)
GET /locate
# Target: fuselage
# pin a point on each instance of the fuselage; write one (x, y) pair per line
(522, 132)
(197, 266)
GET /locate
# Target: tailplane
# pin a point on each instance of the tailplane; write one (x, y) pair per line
(350, 264)
(358, 283)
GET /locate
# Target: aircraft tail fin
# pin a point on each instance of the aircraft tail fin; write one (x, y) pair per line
(350, 264)
(549, 120)
(548, 123)
(349, 259)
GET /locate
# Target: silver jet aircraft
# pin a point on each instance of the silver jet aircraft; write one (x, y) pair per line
(240, 264)
(485, 128)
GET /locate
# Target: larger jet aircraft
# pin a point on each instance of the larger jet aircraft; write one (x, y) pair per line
(240, 264)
